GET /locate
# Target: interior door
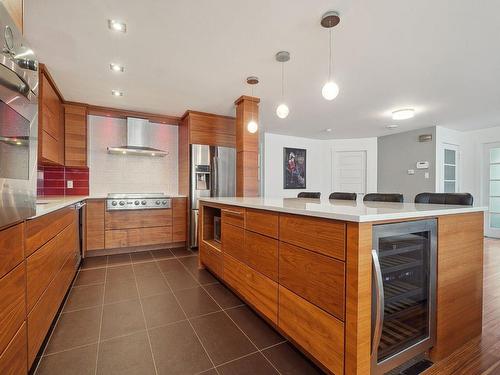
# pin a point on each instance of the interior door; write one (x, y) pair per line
(492, 188)
(349, 171)
(450, 168)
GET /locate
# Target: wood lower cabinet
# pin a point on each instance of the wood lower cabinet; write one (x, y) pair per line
(137, 237)
(13, 359)
(75, 135)
(137, 219)
(94, 225)
(316, 331)
(212, 258)
(179, 219)
(11, 248)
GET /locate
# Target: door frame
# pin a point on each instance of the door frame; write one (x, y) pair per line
(488, 231)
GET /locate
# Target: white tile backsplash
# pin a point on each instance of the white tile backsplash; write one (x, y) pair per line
(128, 173)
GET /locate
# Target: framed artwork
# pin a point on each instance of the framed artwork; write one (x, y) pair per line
(294, 168)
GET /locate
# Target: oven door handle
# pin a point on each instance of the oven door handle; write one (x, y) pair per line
(12, 81)
(379, 303)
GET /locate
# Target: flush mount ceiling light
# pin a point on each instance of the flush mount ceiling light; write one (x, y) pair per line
(116, 67)
(330, 89)
(117, 26)
(391, 126)
(282, 110)
(328, 130)
(116, 93)
(403, 114)
(252, 125)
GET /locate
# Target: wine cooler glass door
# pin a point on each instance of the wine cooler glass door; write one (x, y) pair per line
(404, 291)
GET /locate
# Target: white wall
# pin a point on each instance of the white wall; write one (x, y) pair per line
(129, 173)
(319, 176)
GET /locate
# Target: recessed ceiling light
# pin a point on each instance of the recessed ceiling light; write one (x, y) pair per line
(117, 26)
(116, 67)
(403, 114)
(391, 126)
(328, 130)
(116, 93)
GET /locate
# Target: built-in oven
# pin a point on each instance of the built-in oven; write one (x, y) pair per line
(18, 124)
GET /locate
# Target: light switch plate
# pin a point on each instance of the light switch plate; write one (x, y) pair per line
(69, 184)
(411, 171)
(426, 175)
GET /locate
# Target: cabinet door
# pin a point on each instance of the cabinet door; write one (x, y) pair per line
(94, 225)
(75, 136)
(179, 219)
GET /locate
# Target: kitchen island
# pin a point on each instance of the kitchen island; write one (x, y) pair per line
(305, 266)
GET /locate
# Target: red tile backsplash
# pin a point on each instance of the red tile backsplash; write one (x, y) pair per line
(53, 181)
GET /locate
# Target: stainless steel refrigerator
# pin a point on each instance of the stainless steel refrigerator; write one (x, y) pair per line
(213, 174)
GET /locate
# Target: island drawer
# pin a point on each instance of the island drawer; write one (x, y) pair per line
(211, 258)
(317, 278)
(11, 248)
(323, 236)
(13, 359)
(317, 332)
(233, 215)
(258, 290)
(261, 253)
(233, 241)
(263, 222)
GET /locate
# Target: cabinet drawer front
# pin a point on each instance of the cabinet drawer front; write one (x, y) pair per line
(211, 258)
(13, 359)
(233, 241)
(11, 248)
(138, 237)
(42, 229)
(94, 217)
(325, 287)
(258, 290)
(263, 222)
(44, 264)
(233, 215)
(12, 304)
(317, 332)
(40, 318)
(179, 218)
(261, 254)
(138, 219)
(320, 235)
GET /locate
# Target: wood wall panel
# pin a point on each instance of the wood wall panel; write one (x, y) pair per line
(75, 140)
(183, 157)
(45, 263)
(258, 290)
(317, 332)
(459, 282)
(137, 219)
(41, 229)
(11, 248)
(179, 219)
(211, 129)
(12, 304)
(137, 237)
(13, 359)
(263, 222)
(314, 277)
(94, 228)
(320, 235)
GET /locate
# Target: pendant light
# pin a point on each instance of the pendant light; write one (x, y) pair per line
(252, 125)
(282, 110)
(330, 89)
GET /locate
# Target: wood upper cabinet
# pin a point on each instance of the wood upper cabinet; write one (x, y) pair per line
(51, 121)
(15, 8)
(75, 135)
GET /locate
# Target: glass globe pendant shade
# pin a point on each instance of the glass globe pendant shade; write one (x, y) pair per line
(252, 126)
(330, 90)
(282, 111)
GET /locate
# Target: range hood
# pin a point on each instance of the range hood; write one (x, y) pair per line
(140, 134)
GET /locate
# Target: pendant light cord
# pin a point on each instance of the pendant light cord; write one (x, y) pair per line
(282, 80)
(330, 60)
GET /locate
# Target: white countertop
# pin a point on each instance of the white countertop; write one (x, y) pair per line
(357, 211)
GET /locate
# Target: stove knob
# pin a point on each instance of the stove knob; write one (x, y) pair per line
(157, 203)
(143, 203)
(122, 203)
(164, 202)
(136, 203)
(114, 203)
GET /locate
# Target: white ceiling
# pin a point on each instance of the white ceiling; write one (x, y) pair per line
(441, 57)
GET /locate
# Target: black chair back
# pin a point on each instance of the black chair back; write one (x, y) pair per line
(462, 199)
(383, 197)
(343, 196)
(309, 194)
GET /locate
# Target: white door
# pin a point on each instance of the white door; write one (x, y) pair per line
(492, 188)
(349, 171)
(450, 168)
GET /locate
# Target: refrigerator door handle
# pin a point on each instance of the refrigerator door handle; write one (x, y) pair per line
(379, 304)
(215, 164)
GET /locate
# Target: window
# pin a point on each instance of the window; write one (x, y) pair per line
(494, 187)
(450, 169)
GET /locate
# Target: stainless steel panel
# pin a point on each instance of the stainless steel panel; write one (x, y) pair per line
(200, 169)
(193, 240)
(225, 176)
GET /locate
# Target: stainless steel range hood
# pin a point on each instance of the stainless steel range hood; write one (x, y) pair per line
(140, 134)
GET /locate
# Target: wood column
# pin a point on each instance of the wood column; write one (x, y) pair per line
(247, 147)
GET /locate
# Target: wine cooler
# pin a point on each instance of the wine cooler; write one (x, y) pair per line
(403, 292)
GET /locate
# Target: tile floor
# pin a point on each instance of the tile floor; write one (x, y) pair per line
(156, 313)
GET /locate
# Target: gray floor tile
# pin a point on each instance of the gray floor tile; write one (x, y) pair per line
(161, 309)
(119, 273)
(120, 291)
(94, 262)
(147, 269)
(151, 285)
(84, 296)
(182, 252)
(289, 361)
(162, 254)
(90, 277)
(224, 297)
(141, 256)
(196, 302)
(182, 279)
(80, 361)
(250, 365)
(121, 318)
(118, 259)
